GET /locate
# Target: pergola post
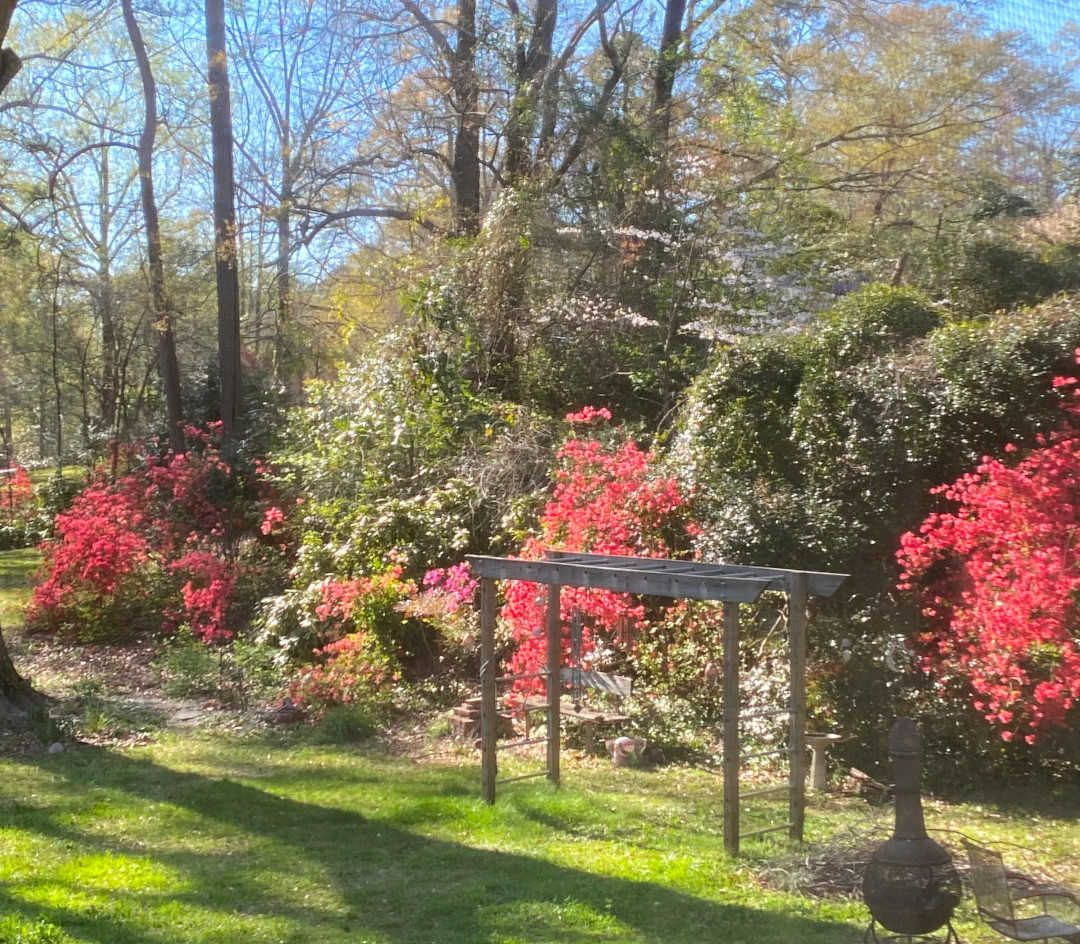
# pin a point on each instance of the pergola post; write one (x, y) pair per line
(731, 728)
(489, 722)
(554, 678)
(797, 738)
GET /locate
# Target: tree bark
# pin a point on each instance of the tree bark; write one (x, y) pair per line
(17, 697)
(10, 63)
(284, 364)
(170, 369)
(105, 305)
(465, 172)
(667, 66)
(532, 65)
(228, 278)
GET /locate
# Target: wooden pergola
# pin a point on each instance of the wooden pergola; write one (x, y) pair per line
(729, 584)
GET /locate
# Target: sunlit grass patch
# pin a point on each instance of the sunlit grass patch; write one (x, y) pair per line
(272, 838)
(16, 569)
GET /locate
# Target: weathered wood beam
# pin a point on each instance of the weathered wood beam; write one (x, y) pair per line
(819, 583)
(797, 733)
(731, 729)
(489, 720)
(620, 579)
(554, 660)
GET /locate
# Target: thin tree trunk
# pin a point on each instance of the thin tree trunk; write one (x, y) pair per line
(170, 369)
(228, 280)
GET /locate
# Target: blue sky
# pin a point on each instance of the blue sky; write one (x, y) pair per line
(1042, 19)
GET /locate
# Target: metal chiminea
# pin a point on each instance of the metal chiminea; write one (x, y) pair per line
(910, 884)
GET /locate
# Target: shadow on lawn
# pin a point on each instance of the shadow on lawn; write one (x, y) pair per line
(395, 885)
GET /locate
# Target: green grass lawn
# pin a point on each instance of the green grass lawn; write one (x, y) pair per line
(15, 570)
(216, 839)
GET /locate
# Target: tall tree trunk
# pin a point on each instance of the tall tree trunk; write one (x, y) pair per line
(282, 361)
(228, 278)
(667, 66)
(54, 361)
(528, 82)
(17, 697)
(466, 168)
(170, 369)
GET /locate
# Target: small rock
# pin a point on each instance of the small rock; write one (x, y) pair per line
(56, 748)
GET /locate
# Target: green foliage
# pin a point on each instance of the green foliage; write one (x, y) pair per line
(989, 276)
(239, 672)
(345, 724)
(400, 453)
(877, 319)
(820, 449)
(824, 463)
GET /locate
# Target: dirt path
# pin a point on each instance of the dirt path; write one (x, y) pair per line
(107, 695)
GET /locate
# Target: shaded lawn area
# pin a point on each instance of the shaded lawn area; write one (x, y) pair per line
(16, 568)
(225, 840)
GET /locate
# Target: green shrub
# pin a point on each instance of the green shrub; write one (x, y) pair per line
(240, 672)
(827, 475)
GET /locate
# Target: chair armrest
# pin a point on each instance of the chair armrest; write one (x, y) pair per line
(1047, 891)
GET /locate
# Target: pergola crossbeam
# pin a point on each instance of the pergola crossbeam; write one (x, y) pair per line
(606, 575)
(818, 583)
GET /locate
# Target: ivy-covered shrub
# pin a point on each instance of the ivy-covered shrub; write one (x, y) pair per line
(822, 459)
(994, 275)
(865, 442)
(400, 453)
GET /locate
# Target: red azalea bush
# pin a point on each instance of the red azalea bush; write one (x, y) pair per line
(607, 499)
(16, 493)
(151, 551)
(21, 521)
(998, 580)
(303, 621)
(351, 671)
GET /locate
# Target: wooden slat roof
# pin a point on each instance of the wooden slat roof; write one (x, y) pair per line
(653, 576)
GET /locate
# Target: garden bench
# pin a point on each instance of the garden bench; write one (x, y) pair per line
(995, 901)
(590, 718)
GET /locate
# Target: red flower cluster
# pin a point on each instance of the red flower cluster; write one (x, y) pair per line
(999, 583)
(16, 493)
(605, 501)
(351, 671)
(147, 551)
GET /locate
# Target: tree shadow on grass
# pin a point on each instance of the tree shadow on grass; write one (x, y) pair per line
(370, 878)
